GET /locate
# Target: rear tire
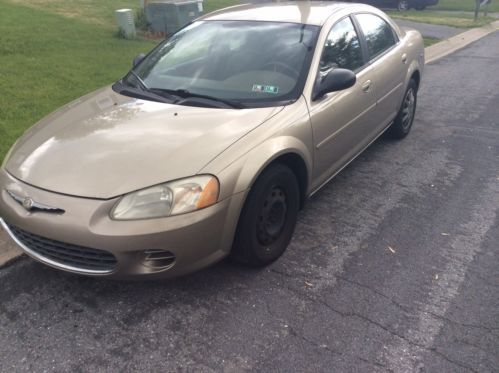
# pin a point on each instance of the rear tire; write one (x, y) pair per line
(402, 124)
(268, 218)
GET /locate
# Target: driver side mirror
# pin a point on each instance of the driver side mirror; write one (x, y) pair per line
(138, 59)
(335, 80)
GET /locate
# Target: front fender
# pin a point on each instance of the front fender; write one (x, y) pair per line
(239, 166)
(242, 174)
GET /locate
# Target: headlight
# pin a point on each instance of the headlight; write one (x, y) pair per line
(173, 198)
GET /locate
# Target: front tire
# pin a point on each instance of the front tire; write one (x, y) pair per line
(268, 218)
(403, 5)
(402, 124)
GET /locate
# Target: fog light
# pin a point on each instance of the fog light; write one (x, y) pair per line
(158, 260)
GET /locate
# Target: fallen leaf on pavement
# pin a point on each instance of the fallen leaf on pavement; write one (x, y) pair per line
(391, 249)
(445, 234)
(308, 284)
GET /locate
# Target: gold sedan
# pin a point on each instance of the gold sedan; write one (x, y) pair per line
(212, 143)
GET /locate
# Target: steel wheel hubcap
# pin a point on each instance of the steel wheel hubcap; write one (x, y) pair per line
(272, 217)
(408, 109)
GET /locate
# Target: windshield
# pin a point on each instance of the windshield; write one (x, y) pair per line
(251, 63)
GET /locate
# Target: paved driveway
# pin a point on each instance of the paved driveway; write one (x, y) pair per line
(394, 267)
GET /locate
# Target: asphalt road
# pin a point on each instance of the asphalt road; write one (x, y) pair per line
(394, 267)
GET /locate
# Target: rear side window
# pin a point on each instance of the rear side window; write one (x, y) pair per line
(342, 48)
(378, 33)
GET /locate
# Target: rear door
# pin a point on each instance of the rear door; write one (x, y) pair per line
(387, 58)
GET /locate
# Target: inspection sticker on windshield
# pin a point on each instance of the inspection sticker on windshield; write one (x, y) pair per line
(266, 89)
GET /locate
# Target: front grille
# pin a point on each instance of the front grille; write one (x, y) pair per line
(74, 256)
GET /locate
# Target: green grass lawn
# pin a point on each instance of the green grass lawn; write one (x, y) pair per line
(430, 41)
(453, 19)
(460, 14)
(53, 51)
(463, 5)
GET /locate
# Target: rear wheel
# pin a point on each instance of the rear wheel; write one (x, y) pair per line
(268, 217)
(403, 121)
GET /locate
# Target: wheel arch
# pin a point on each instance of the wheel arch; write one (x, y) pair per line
(287, 150)
(298, 166)
(295, 159)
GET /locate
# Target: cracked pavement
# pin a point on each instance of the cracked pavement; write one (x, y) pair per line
(393, 268)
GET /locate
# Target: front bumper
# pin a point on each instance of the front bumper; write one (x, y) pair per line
(196, 239)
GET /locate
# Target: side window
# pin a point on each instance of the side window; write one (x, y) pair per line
(378, 33)
(342, 49)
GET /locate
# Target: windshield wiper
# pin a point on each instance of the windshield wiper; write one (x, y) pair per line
(142, 86)
(186, 95)
(142, 93)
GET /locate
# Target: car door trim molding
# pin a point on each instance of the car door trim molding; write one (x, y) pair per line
(390, 92)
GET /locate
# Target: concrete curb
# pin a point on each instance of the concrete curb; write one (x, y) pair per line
(9, 251)
(453, 44)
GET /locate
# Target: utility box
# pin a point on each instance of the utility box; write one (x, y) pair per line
(168, 16)
(126, 23)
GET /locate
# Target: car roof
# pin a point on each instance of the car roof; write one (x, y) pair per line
(305, 12)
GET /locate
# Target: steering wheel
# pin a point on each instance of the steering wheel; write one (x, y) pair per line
(284, 67)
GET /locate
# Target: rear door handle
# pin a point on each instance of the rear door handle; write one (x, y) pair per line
(366, 87)
(404, 58)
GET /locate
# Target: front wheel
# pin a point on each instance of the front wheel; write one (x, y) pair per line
(402, 124)
(268, 218)
(403, 5)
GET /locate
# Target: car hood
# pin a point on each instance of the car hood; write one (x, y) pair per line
(105, 144)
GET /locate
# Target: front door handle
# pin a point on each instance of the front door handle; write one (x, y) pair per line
(404, 58)
(366, 87)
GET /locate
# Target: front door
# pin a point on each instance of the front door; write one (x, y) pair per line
(341, 121)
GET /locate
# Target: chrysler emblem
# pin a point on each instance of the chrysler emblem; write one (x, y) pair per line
(28, 203)
(32, 206)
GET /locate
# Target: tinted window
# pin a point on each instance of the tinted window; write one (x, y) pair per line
(379, 34)
(342, 49)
